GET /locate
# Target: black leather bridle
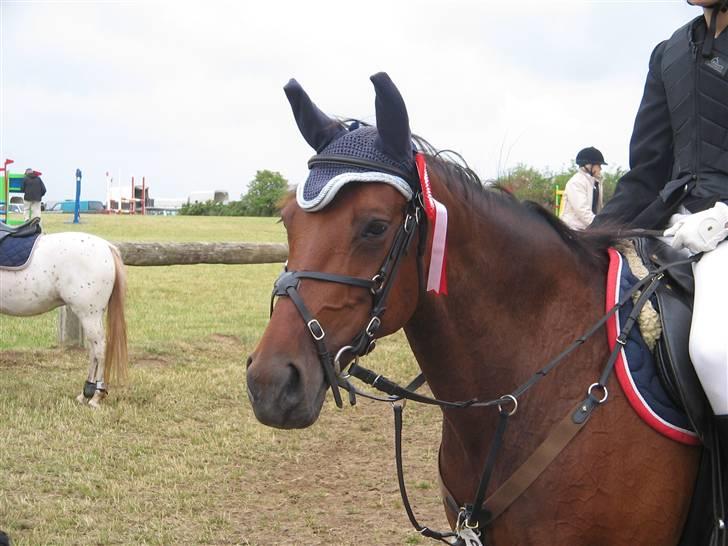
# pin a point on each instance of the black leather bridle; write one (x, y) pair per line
(379, 285)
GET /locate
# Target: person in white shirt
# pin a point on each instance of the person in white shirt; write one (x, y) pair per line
(583, 194)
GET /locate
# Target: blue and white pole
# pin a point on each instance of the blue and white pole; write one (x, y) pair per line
(76, 209)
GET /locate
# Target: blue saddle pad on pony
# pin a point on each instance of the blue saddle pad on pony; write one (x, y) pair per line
(15, 252)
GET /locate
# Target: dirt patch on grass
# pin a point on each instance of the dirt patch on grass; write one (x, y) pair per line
(13, 359)
(43, 358)
(343, 490)
(151, 362)
(226, 338)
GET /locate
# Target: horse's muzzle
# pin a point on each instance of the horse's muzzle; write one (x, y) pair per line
(279, 394)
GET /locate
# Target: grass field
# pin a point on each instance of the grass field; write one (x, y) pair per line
(176, 456)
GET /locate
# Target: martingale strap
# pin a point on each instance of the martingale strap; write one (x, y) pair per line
(556, 441)
(482, 512)
(559, 437)
(424, 531)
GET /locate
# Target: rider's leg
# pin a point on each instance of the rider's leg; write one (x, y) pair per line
(709, 329)
(709, 338)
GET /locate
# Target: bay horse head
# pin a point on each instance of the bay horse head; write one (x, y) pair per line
(349, 228)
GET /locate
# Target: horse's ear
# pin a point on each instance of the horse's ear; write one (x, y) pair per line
(392, 120)
(316, 127)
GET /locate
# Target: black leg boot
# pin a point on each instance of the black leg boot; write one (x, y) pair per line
(721, 433)
(721, 430)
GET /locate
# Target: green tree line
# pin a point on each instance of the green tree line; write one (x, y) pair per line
(527, 183)
(261, 199)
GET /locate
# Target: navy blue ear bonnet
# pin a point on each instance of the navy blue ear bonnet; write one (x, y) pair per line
(382, 154)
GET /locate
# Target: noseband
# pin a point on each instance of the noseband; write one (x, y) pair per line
(379, 286)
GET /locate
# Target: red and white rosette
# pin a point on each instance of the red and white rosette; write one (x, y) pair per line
(437, 214)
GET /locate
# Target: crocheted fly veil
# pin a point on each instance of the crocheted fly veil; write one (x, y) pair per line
(381, 154)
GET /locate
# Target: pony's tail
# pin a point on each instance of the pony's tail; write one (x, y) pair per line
(117, 357)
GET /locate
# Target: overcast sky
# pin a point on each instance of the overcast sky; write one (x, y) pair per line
(189, 94)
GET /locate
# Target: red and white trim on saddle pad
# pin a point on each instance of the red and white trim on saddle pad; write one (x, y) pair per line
(624, 374)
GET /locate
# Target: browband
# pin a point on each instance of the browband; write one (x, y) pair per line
(365, 164)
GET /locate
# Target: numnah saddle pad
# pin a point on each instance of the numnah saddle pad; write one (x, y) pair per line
(635, 367)
(15, 252)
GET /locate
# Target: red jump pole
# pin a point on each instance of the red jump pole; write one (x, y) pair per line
(6, 190)
(144, 196)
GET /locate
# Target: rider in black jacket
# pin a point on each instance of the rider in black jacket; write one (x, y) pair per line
(679, 146)
(679, 180)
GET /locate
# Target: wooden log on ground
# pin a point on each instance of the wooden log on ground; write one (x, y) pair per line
(135, 253)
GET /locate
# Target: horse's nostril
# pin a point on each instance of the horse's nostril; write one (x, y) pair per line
(294, 381)
(248, 362)
(292, 392)
(251, 392)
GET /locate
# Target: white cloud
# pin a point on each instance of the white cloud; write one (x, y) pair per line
(190, 94)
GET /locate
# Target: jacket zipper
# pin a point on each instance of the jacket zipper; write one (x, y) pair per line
(696, 164)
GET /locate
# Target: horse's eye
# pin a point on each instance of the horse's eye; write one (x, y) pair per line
(375, 228)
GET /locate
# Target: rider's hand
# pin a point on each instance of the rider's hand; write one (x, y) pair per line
(702, 231)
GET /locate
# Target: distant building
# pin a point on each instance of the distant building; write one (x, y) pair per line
(165, 207)
(119, 200)
(216, 196)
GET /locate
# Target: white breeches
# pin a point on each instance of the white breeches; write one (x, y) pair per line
(709, 329)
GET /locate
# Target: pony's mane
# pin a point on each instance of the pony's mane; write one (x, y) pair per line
(450, 167)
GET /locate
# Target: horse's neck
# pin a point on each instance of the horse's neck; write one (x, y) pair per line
(488, 327)
(516, 298)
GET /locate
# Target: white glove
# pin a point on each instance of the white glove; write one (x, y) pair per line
(702, 231)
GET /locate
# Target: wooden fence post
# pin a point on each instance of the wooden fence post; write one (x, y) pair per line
(70, 331)
(168, 253)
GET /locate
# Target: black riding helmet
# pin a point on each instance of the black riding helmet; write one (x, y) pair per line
(722, 5)
(590, 156)
(707, 50)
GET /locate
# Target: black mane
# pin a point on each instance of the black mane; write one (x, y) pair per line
(591, 245)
